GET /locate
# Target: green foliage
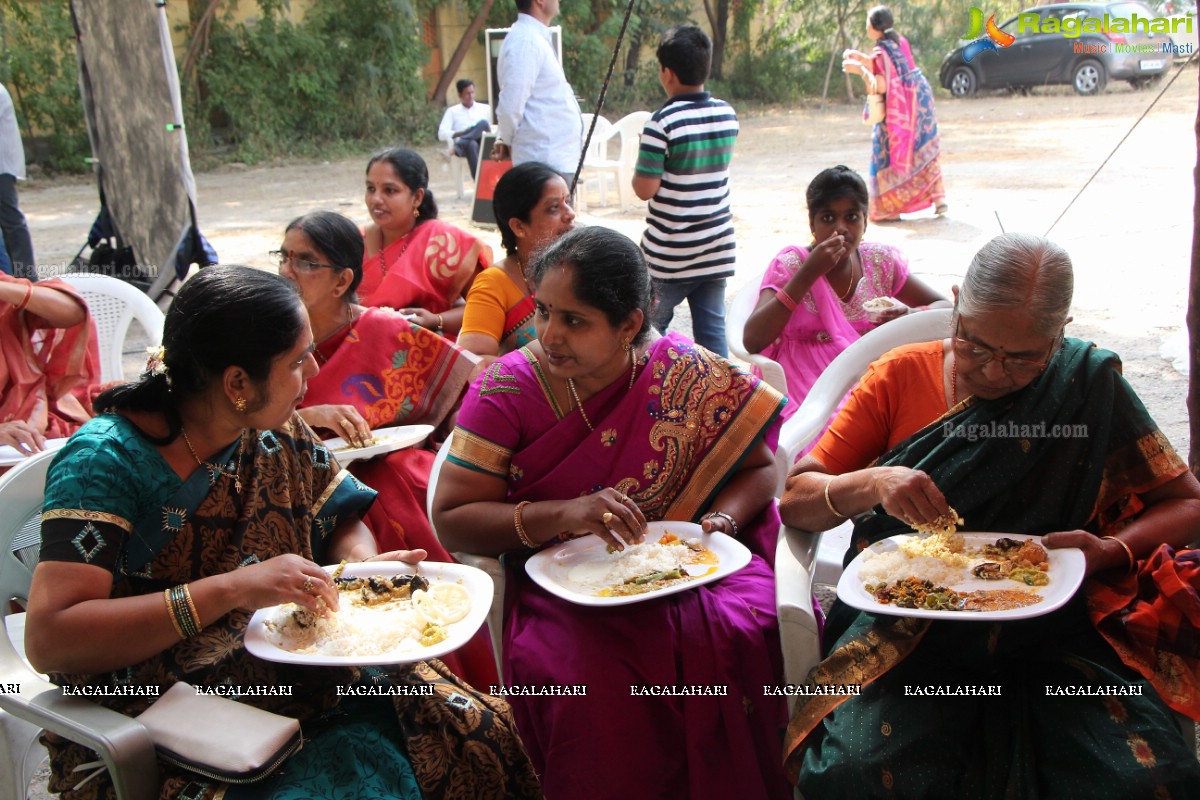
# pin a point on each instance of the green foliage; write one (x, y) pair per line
(39, 68)
(350, 71)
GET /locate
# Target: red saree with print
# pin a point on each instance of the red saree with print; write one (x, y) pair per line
(397, 373)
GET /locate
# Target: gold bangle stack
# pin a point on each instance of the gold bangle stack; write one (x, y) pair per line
(829, 502)
(182, 611)
(1128, 551)
(520, 526)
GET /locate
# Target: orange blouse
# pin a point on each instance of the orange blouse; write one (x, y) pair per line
(899, 395)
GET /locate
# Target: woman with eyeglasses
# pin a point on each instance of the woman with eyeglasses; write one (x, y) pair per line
(377, 369)
(414, 262)
(1020, 430)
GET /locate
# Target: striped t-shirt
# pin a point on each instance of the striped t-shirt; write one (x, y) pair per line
(688, 143)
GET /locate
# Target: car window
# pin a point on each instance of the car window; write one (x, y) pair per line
(1127, 10)
(1061, 14)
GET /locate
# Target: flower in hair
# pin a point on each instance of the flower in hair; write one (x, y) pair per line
(156, 364)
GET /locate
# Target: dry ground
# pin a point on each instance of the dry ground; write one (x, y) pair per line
(1014, 159)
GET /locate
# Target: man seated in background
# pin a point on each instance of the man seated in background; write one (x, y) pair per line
(464, 124)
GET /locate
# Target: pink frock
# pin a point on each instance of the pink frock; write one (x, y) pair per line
(822, 326)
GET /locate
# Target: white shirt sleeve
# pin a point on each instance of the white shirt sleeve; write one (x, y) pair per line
(446, 129)
(518, 70)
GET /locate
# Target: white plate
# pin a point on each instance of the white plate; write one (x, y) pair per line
(551, 568)
(386, 440)
(1066, 574)
(10, 456)
(477, 583)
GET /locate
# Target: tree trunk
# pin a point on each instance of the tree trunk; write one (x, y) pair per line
(1193, 321)
(460, 53)
(718, 20)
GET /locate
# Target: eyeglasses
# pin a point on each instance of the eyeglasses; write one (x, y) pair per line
(279, 258)
(979, 355)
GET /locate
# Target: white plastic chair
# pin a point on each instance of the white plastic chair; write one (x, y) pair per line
(121, 741)
(804, 558)
(627, 133)
(735, 329)
(490, 565)
(113, 304)
(596, 164)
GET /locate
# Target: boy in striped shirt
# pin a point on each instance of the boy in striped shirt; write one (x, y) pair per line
(683, 170)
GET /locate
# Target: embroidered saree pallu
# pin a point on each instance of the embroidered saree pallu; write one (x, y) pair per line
(1025, 742)
(904, 175)
(669, 443)
(429, 268)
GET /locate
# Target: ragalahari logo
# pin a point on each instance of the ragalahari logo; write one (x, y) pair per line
(987, 37)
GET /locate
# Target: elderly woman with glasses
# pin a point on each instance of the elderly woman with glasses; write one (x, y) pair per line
(377, 369)
(1019, 430)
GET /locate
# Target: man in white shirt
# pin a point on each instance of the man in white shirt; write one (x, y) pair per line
(463, 125)
(12, 167)
(538, 116)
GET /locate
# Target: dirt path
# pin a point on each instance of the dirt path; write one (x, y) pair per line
(1021, 158)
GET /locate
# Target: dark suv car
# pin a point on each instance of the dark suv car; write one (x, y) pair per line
(1086, 61)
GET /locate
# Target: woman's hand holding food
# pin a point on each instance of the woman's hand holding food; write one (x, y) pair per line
(822, 259)
(910, 495)
(342, 420)
(894, 311)
(609, 514)
(288, 578)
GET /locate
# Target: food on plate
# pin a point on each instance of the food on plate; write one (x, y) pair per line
(879, 304)
(913, 592)
(370, 441)
(376, 615)
(938, 571)
(944, 525)
(649, 566)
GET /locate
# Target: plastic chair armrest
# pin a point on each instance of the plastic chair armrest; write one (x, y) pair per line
(495, 617)
(799, 632)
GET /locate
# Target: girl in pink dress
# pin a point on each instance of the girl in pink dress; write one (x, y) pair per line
(812, 304)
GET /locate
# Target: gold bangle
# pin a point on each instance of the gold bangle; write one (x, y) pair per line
(518, 523)
(191, 608)
(1128, 551)
(171, 613)
(440, 325)
(829, 502)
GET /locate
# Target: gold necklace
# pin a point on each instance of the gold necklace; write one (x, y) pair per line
(579, 405)
(850, 288)
(237, 481)
(524, 275)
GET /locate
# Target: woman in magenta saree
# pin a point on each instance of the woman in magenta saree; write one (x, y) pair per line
(905, 175)
(678, 434)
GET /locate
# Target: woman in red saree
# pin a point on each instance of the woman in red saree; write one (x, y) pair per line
(48, 362)
(414, 262)
(377, 370)
(596, 427)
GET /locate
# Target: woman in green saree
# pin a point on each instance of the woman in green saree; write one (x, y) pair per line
(198, 496)
(1019, 430)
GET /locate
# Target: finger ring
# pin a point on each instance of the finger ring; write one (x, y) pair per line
(606, 517)
(308, 586)
(346, 423)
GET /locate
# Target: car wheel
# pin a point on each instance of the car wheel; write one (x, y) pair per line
(962, 82)
(1089, 78)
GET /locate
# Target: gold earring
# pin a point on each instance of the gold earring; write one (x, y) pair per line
(240, 404)
(416, 213)
(632, 362)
